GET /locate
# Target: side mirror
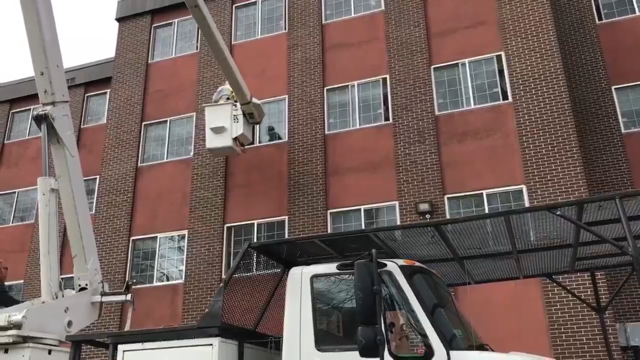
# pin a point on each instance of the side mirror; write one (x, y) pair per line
(368, 298)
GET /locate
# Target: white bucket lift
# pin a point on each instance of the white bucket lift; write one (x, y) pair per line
(227, 131)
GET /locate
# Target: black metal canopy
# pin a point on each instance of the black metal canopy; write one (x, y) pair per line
(537, 241)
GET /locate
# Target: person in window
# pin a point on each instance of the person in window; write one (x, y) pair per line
(273, 134)
(6, 300)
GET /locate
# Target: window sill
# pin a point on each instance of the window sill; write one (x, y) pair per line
(23, 139)
(258, 37)
(474, 108)
(266, 144)
(631, 131)
(350, 16)
(165, 161)
(158, 284)
(18, 224)
(92, 125)
(173, 57)
(617, 19)
(358, 128)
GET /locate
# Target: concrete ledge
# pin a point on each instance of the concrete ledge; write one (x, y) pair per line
(76, 75)
(133, 7)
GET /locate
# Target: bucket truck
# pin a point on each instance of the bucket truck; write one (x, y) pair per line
(397, 305)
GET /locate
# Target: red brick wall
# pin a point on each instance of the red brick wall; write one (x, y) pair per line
(416, 143)
(31, 289)
(120, 160)
(307, 207)
(206, 215)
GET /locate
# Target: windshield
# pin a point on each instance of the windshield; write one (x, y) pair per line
(439, 306)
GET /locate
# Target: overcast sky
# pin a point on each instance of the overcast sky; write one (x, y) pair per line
(87, 30)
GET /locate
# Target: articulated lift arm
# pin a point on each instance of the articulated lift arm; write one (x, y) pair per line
(48, 320)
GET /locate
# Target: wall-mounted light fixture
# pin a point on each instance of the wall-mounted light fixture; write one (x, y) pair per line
(424, 209)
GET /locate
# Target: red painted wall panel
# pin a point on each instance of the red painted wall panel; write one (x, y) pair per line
(360, 167)
(620, 42)
(460, 29)
(263, 64)
(354, 49)
(257, 184)
(14, 247)
(632, 143)
(479, 149)
(155, 307)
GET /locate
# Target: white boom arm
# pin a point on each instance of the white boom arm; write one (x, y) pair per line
(49, 319)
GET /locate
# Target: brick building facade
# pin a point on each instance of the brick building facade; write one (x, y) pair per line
(475, 105)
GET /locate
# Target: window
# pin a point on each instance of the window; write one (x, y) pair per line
(274, 125)
(358, 104)
(334, 312)
(17, 207)
(21, 126)
(91, 189)
(174, 38)
(470, 83)
(167, 139)
(628, 102)
(339, 9)
(615, 9)
(95, 108)
(158, 259)
(15, 289)
(363, 217)
(239, 234)
(257, 18)
(485, 202)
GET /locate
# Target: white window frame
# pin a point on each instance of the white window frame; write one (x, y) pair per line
(141, 150)
(8, 283)
(10, 122)
(256, 129)
(259, 23)
(175, 33)
(15, 201)
(84, 107)
(615, 99)
(636, 4)
(356, 83)
(484, 194)
(362, 209)
(324, 17)
(255, 235)
(157, 236)
(95, 201)
(473, 106)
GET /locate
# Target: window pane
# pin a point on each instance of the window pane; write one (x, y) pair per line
(155, 142)
(338, 110)
(505, 200)
(96, 109)
(484, 80)
(90, 188)
(246, 22)
(25, 206)
(272, 230)
(335, 311)
(337, 9)
(370, 102)
(466, 205)
(186, 37)
(162, 41)
(19, 125)
(180, 138)
(143, 263)
(171, 255)
(6, 207)
(239, 235)
(613, 9)
(629, 105)
(346, 220)
(380, 216)
(273, 126)
(271, 16)
(362, 6)
(15, 290)
(449, 88)
(33, 128)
